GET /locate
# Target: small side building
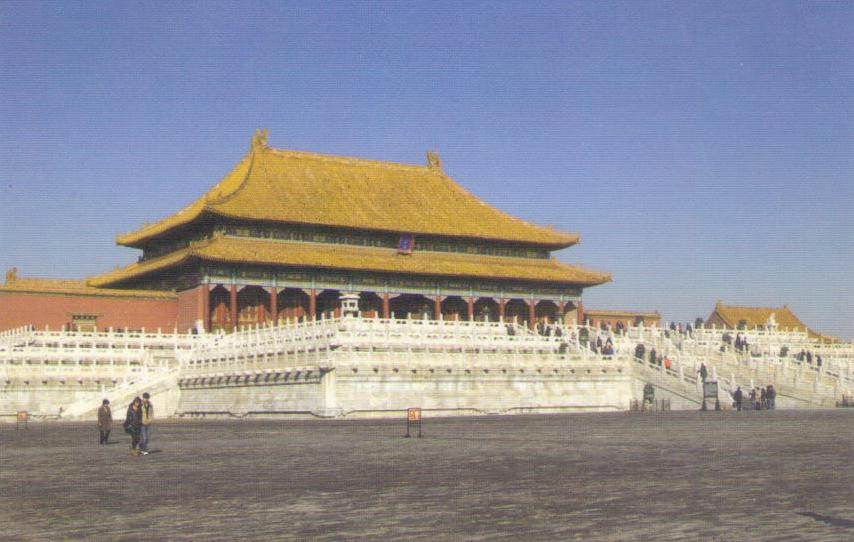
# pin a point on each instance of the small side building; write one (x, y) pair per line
(611, 318)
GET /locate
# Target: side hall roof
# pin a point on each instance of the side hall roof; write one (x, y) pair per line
(307, 188)
(222, 248)
(31, 285)
(753, 317)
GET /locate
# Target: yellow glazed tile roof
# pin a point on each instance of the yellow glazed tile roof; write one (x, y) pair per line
(758, 316)
(307, 188)
(31, 285)
(285, 253)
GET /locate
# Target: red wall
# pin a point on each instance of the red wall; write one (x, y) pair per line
(54, 310)
(189, 308)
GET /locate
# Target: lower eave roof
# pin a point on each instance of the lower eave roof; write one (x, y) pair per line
(318, 255)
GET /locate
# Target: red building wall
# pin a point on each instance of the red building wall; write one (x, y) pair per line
(55, 310)
(628, 320)
(190, 308)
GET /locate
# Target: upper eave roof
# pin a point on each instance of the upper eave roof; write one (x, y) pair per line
(307, 188)
(223, 248)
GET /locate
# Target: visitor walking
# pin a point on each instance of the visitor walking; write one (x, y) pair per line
(771, 394)
(133, 423)
(147, 420)
(738, 396)
(105, 422)
(703, 372)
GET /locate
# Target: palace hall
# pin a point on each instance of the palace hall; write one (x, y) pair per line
(286, 233)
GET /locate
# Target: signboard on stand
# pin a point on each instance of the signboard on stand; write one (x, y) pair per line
(710, 390)
(413, 419)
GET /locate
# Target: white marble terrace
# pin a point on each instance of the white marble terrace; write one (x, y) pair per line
(117, 357)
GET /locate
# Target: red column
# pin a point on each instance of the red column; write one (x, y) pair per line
(471, 308)
(580, 313)
(501, 303)
(274, 304)
(220, 316)
(232, 306)
(205, 294)
(561, 306)
(386, 307)
(312, 304)
(532, 314)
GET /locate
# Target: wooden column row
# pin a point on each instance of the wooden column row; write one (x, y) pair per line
(205, 291)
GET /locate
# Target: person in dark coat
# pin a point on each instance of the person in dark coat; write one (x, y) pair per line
(738, 396)
(133, 424)
(105, 421)
(703, 372)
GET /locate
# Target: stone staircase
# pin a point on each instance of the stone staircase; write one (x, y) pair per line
(156, 384)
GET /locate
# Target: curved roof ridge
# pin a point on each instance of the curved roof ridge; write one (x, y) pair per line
(193, 210)
(460, 188)
(349, 160)
(239, 186)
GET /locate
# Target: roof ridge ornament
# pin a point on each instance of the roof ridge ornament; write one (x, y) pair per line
(433, 160)
(12, 275)
(259, 139)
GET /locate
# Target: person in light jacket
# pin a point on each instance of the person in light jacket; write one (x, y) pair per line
(105, 421)
(147, 420)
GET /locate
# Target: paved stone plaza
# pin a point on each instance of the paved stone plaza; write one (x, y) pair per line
(784, 475)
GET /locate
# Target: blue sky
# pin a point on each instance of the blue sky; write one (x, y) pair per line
(703, 151)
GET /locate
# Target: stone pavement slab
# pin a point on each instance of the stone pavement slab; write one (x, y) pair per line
(782, 475)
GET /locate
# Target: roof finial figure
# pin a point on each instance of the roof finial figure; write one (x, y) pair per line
(11, 275)
(433, 160)
(259, 139)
